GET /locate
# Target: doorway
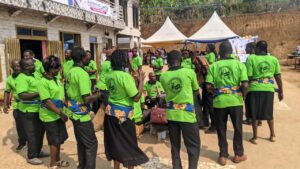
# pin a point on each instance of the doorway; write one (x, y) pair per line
(34, 45)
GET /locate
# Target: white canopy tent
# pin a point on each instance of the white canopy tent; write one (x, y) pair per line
(215, 30)
(167, 34)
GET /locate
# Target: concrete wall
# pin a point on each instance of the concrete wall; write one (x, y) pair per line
(36, 19)
(129, 29)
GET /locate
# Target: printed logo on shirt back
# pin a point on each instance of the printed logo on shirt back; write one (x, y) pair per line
(111, 86)
(225, 72)
(175, 85)
(263, 67)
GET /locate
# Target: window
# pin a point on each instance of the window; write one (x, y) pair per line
(93, 39)
(123, 3)
(135, 15)
(70, 40)
(107, 43)
(31, 33)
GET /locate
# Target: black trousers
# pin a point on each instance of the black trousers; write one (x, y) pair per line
(87, 144)
(247, 113)
(236, 116)
(19, 126)
(93, 82)
(208, 110)
(191, 137)
(34, 131)
(198, 110)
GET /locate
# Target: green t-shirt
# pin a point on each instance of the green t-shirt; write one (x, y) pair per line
(211, 57)
(151, 89)
(229, 72)
(233, 56)
(67, 66)
(50, 89)
(179, 86)
(92, 66)
(262, 67)
(158, 62)
(39, 69)
(11, 87)
(104, 71)
(121, 87)
(78, 84)
(27, 84)
(136, 62)
(137, 110)
(187, 63)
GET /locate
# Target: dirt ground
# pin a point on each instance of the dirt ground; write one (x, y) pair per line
(283, 154)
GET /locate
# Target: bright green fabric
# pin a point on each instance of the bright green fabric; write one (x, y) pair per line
(158, 62)
(233, 56)
(229, 72)
(104, 71)
(11, 87)
(151, 89)
(39, 69)
(78, 84)
(137, 110)
(27, 84)
(211, 57)
(121, 87)
(136, 62)
(67, 66)
(92, 66)
(187, 63)
(50, 89)
(179, 86)
(262, 67)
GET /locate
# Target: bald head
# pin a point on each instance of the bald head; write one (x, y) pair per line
(15, 66)
(27, 65)
(174, 58)
(68, 54)
(250, 48)
(261, 48)
(152, 77)
(225, 49)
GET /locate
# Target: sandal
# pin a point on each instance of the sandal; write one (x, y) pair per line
(272, 139)
(63, 163)
(53, 167)
(253, 140)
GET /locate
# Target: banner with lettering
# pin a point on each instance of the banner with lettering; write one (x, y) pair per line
(94, 6)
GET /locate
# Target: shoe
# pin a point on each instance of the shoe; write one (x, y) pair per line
(44, 154)
(247, 122)
(272, 139)
(238, 159)
(35, 161)
(253, 140)
(20, 147)
(222, 161)
(210, 130)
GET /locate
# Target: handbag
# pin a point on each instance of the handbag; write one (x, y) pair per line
(98, 120)
(158, 115)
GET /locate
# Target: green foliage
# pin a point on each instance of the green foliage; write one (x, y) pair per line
(157, 10)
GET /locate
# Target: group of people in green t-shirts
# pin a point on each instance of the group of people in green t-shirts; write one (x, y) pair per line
(44, 100)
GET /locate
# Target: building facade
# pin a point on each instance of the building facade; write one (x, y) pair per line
(49, 28)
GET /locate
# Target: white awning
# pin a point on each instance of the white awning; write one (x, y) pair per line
(168, 33)
(215, 30)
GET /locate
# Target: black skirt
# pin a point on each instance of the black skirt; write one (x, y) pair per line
(56, 132)
(260, 105)
(120, 142)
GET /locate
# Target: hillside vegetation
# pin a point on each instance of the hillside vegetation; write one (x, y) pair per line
(278, 24)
